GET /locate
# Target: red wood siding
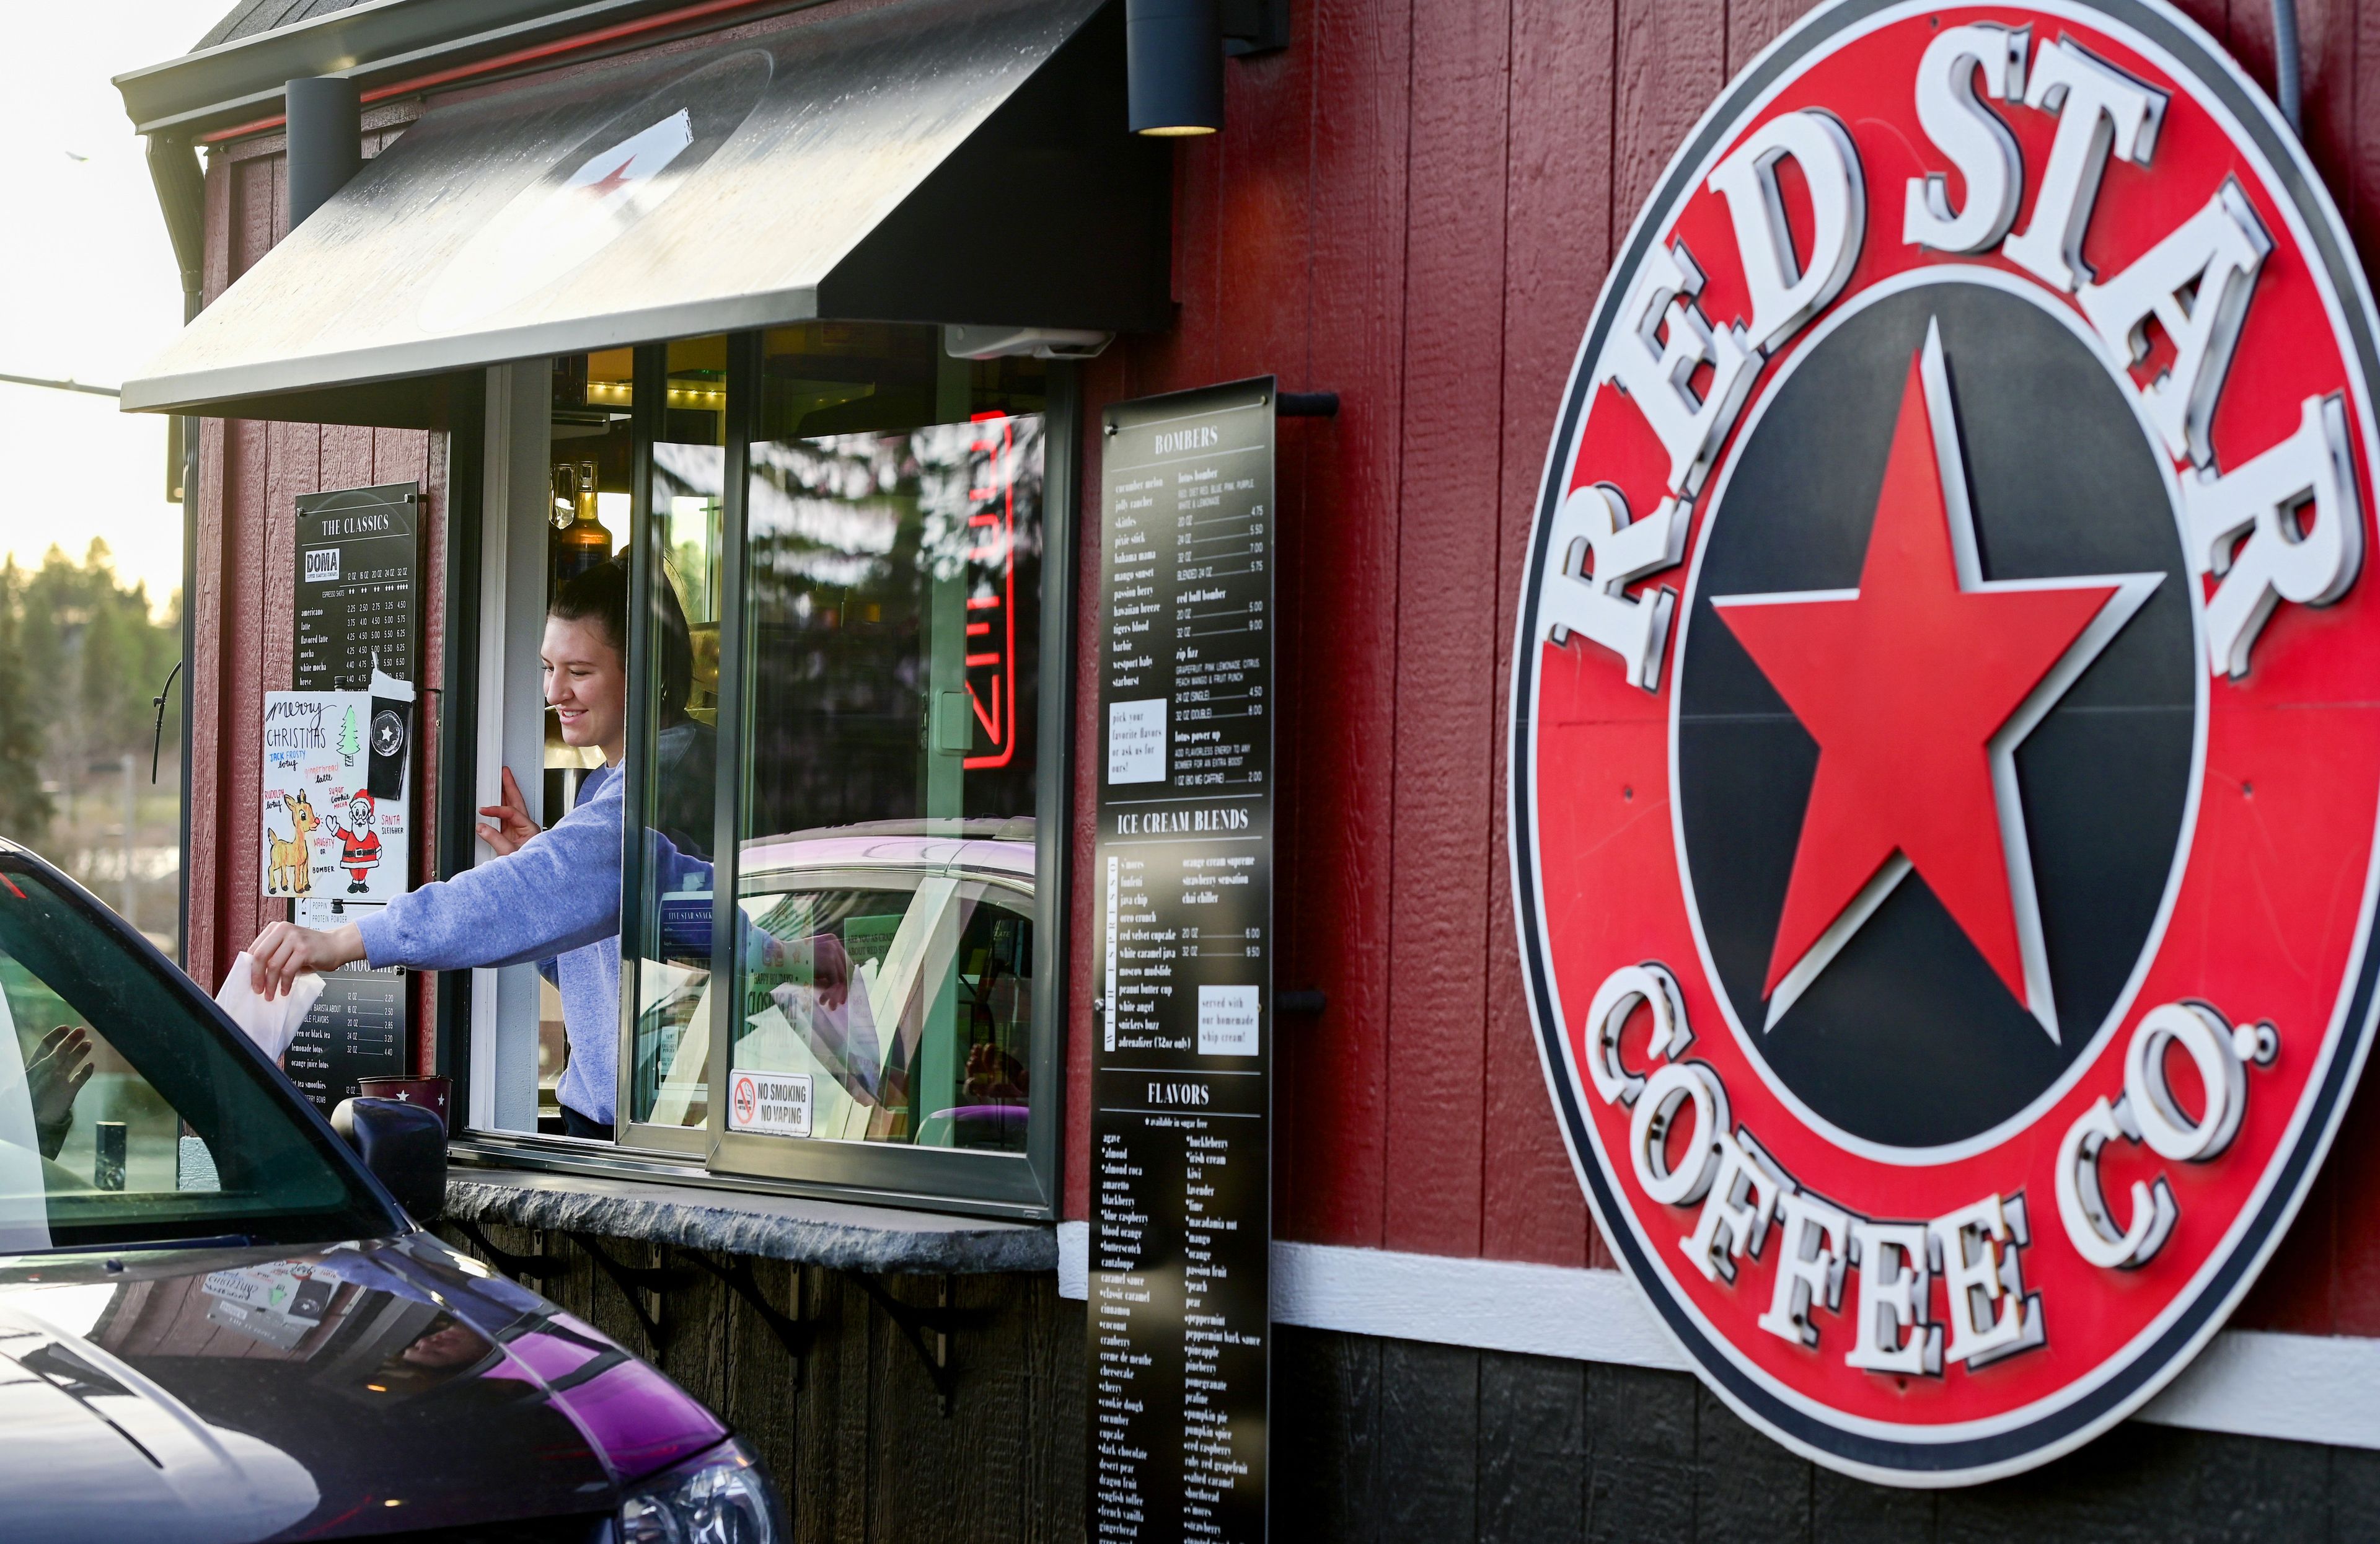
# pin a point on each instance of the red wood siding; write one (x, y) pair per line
(1414, 207)
(250, 475)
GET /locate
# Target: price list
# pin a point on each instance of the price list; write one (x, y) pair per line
(1179, 1332)
(358, 557)
(356, 1030)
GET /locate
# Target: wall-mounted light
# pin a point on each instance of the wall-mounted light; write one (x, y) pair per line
(325, 140)
(1174, 62)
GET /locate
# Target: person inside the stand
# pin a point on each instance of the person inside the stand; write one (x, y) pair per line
(548, 897)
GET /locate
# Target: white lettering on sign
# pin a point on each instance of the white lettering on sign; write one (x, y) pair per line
(1620, 995)
(2100, 109)
(1810, 1261)
(1654, 368)
(1681, 1109)
(2083, 1206)
(2195, 285)
(2284, 555)
(2147, 1112)
(1736, 1213)
(1786, 293)
(1893, 1269)
(1972, 135)
(1188, 439)
(1976, 1249)
(1227, 1021)
(774, 1103)
(1165, 823)
(1674, 1088)
(1598, 552)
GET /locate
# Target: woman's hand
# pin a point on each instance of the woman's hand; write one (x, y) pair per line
(60, 1066)
(823, 955)
(514, 827)
(283, 952)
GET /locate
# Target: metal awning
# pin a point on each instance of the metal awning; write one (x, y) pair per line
(923, 160)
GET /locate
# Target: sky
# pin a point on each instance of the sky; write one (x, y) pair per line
(87, 287)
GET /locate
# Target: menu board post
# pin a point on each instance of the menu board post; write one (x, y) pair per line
(1179, 1338)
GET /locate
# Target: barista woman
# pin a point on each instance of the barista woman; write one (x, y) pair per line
(548, 896)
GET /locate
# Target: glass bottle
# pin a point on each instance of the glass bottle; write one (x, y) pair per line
(582, 542)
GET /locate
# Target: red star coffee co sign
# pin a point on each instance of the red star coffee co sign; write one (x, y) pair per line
(1944, 772)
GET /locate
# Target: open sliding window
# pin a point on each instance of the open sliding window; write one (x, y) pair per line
(845, 791)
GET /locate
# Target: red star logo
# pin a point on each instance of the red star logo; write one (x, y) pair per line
(1918, 686)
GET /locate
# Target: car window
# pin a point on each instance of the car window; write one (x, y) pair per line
(888, 1005)
(127, 1112)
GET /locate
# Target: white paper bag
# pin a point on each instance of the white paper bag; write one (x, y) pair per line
(271, 1025)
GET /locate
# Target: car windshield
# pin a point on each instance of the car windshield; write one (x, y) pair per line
(127, 1116)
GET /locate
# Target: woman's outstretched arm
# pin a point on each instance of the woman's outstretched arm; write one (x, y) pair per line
(554, 893)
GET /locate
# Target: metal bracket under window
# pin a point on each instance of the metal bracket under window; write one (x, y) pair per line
(633, 1281)
(927, 1328)
(535, 1266)
(793, 1331)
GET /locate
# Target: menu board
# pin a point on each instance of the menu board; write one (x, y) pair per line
(359, 557)
(356, 1030)
(1180, 1337)
(358, 622)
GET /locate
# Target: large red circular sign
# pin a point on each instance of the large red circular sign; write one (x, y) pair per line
(1944, 767)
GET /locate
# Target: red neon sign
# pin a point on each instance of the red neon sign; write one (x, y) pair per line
(991, 588)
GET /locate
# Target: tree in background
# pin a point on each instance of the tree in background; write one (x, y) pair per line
(89, 658)
(25, 809)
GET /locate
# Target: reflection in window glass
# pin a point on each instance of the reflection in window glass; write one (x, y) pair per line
(678, 699)
(891, 654)
(902, 995)
(124, 1115)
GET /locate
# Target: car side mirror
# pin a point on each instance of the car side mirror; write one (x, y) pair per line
(403, 1145)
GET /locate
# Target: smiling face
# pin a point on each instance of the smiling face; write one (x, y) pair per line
(587, 684)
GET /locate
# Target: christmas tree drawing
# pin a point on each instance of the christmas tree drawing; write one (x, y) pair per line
(349, 747)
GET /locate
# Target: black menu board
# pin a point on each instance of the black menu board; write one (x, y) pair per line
(357, 1029)
(358, 602)
(1180, 1338)
(359, 556)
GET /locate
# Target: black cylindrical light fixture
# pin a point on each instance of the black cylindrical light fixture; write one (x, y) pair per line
(327, 141)
(1174, 61)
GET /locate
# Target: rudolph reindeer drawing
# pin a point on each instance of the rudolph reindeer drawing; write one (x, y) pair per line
(290, 862)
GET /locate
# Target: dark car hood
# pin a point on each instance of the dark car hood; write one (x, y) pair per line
(209, 1396)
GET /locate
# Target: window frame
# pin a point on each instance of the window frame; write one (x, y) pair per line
(1023, 1185)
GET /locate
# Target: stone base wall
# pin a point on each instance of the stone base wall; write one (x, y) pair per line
(853, 1431)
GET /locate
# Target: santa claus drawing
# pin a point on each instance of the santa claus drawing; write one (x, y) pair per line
(358, 842)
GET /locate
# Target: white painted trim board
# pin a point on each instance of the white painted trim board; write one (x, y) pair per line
(2251, 1383)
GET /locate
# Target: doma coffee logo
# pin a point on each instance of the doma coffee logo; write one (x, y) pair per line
(1943, 791)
